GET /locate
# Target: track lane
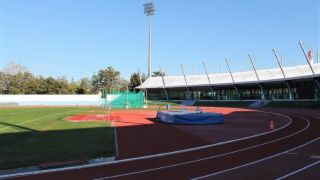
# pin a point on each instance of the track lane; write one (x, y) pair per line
(278, 165)
(291, 174)
(218, 163)
(309, 172)
(194, 169)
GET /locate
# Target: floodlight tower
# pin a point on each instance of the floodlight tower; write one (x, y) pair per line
(149, 11)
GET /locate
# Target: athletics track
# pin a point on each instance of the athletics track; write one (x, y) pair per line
(288, 152)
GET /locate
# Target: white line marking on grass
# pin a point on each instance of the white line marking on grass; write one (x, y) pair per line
(23, 112)
(37, 119)
(152, 156)
(298, 171)
(260, 160)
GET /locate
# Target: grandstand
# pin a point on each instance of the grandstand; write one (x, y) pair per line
(284, 83)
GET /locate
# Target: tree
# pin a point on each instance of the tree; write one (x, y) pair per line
(136, 79)
(158, 73)
(25, 83)
(13, 68)
(84, 87)
(107, 79)
(32, 86)
(122, 85)
(41, 87)
(17, 84)
(52, 86)
(16, 79)
(73, 87)
(4, 83)
(63, 86)
(143, 77)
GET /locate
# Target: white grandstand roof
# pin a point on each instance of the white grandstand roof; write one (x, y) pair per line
(219, 79)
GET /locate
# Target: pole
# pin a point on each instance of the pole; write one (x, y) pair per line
(105, 97)
(230, 71)
(284, 75)
(254, 67)
(164, 86)
(149, 11)
(205, 68)
(150, 49)
(127, 104)
(144, 91)
(185, 80)
(307, 58)
(318, 55)
(235, 87)
(146, 97)
(260, 84)
(280, 65)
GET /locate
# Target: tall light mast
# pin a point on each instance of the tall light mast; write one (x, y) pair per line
(149, 11)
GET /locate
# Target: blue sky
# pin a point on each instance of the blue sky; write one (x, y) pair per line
(75, 38)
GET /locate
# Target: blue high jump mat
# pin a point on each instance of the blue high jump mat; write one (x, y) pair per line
(186, 117)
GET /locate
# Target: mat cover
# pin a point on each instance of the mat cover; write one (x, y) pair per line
(186, 117)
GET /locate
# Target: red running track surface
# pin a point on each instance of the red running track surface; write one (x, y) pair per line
(197, 163)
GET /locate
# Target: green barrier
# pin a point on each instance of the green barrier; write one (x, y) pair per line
(124, 99)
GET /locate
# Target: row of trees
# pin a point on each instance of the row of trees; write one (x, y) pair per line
(27, 83)
(16, 79)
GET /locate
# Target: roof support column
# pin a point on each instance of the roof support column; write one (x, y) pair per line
(317, 83)
(234, 85)
(211, 88)
(310, 65)
(164, 86)
(185, 80)
(284, 75)
(290, 90)
(307, 58)
(263, 97)
(263, 92)
(317, 96)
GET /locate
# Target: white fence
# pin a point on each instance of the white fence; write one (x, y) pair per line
(51, 100)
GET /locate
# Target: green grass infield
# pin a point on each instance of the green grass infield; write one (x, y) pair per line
(37, 135)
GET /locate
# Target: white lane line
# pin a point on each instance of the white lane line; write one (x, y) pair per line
(115, 138)
(32, 120)
(298, 171)
(260, 160)
(207, 158)
(292, 153)
(151, 156)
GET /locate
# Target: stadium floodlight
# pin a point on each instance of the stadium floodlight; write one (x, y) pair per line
(149, 11)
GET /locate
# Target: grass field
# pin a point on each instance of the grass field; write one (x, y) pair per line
(31, 136)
